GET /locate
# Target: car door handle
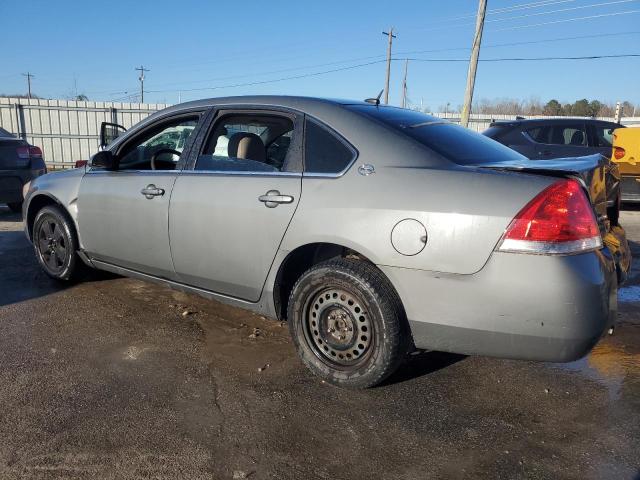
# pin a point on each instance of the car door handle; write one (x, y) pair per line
(273, 198)
(151, 191)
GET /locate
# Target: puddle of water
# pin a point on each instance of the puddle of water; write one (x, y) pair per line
(614, 362)
(629, 294)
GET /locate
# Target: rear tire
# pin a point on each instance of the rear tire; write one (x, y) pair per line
(56, 245)
(347, 323)
(15, 207)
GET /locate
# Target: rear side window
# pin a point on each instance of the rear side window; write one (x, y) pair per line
(455, 143)
(573, 134)
(324, 152)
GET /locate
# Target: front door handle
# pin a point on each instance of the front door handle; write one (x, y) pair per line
(151, 191)
(273, 198)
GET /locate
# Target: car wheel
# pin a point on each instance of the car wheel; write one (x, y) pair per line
(15, 207)
(347, 323)
(55, 244)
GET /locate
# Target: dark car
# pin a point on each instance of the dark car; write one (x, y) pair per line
(563, 139)
(19, 163)
(540, 139)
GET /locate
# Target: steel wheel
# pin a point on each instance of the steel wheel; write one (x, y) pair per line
(337, 328)
(52, 245)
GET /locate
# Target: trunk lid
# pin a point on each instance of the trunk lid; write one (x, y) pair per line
(596, 172)
(9, 158)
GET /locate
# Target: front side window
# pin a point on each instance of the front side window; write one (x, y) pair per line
(324, 152)
(160, 148)
(247, 143)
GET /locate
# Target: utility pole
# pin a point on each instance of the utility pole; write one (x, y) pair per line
(141, 78)
(386, 89)
(473, 63)
(29, 76)
(404, 84)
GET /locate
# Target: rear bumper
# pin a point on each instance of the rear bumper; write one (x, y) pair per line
(11, 183)
(534, 307)
(630, 189)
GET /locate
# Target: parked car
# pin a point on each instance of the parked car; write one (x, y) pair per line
(555, 138)
(19, 163)
(546, 138)
(626, 154)
(372, 230)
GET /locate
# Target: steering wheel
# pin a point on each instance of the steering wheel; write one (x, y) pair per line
(164, 164)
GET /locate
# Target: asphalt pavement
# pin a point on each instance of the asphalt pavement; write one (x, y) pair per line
(117, 378)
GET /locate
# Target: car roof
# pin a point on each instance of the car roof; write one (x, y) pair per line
(307, 104)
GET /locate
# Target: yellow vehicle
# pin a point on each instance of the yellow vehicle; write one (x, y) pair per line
(626, 153)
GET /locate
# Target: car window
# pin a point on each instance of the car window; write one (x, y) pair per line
(247, 143)
(603, 135)
(163, 145)
(570, 134)
(324, 152)
(455, 143)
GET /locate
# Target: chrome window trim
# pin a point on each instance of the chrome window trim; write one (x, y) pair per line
(122, 172)
(235, 173)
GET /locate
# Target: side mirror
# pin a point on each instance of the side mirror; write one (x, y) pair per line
(104, 160)
(109, 132)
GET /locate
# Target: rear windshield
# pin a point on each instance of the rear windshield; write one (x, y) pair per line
(455, 143)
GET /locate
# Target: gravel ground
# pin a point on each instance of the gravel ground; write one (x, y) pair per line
(116, 378)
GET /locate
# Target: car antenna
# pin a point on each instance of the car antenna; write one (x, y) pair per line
(375, 101)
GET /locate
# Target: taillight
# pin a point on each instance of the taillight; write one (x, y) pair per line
(618, 153)
(81, 163)
(558, 221)
(28, 152)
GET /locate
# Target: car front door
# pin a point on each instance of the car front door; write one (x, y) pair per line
(231, 206)
(123, 213)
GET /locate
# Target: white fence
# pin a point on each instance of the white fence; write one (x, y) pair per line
(67, 131)
(481, 121)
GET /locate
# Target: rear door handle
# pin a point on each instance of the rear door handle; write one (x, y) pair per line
(151, 191)
(273, 198)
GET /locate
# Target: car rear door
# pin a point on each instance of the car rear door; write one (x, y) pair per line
(231, 206)
(123, 215)
(559, 140)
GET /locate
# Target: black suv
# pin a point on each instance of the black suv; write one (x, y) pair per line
(547, 138)
(19, 163)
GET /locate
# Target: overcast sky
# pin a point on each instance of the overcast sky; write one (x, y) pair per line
(198, 49)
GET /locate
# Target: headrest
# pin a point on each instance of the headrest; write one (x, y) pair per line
(246, 145)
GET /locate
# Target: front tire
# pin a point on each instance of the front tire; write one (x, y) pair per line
(55, 244)
(347, 323)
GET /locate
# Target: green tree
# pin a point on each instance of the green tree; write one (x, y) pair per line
(581, 108)
(594, 108)
(552, 107)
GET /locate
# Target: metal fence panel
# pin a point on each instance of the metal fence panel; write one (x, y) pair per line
(67, 130)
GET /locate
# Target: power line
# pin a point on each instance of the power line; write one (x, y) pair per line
(498, 11)
(521, 59)
(590, 17)
(262, 82)
(351, 67)
(569, 9)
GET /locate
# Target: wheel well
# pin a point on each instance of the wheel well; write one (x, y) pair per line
(299, 261)
(37, 204)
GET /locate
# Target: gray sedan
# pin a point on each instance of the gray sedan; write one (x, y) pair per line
(372, 230)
